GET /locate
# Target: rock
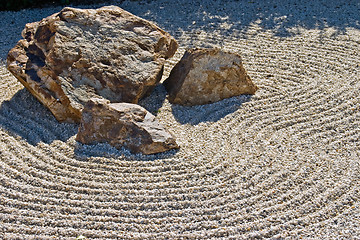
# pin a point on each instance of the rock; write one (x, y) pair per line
(206, 76)
(123, 125)
(76, 54)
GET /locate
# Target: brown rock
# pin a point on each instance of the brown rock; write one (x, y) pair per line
(206, 76)
(76, 54)
(123, 125)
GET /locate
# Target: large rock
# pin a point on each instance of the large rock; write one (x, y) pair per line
(123, 125)
(206, 76)
(71, 56)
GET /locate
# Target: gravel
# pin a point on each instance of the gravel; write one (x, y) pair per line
(283, 163)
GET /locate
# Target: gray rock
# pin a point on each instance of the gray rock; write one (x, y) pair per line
(76, 54)
(206, 76)
(123, 125)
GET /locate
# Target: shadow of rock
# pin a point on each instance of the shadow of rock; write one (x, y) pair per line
(23, 115)
(155, 100)
(209, 112)
(103, 150)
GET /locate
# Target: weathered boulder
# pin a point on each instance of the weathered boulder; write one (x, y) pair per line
(76, 54)
(206, 76)
(123, 125)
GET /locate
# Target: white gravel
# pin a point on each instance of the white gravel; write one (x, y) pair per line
(283, 163)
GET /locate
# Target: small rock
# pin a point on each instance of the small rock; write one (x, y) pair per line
(76, 54)
(123, 125)
(207, 75)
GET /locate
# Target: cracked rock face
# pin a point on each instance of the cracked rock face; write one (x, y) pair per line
(207, 75)
(123, 125)
(76, 54)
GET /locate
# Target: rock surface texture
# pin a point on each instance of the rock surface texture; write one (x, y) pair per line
(123, 125)
(76, 54)
(207, 75)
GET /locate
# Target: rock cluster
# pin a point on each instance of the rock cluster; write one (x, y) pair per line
(207, 75)
(71, 56)
(93, 65)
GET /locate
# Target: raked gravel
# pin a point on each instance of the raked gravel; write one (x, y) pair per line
(283, 163)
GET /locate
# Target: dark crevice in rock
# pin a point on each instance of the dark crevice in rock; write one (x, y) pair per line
(33, 75)
(34, 60)
(43, 34)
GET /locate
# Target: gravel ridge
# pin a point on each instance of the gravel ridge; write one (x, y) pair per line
(282, 164)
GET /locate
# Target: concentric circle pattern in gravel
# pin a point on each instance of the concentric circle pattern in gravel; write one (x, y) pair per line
(282, 163)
